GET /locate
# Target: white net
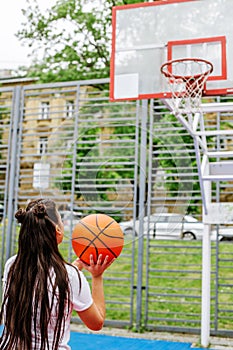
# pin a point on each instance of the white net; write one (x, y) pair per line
(186, 79)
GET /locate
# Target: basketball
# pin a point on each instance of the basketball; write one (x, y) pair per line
(97, 234)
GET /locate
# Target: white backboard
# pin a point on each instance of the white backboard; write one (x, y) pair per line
(146, 35)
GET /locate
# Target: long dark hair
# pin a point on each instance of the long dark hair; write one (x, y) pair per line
(27, 305)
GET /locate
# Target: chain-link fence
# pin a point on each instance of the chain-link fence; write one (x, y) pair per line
(132, 161)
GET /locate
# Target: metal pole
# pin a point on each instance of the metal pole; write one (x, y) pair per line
(206, 274)
(142, 187)
(206, 267)
(74, 157)
(12, 175)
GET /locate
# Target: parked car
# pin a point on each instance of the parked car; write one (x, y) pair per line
(225, 233)
(166, 226)
(70, 219)
(175, 226)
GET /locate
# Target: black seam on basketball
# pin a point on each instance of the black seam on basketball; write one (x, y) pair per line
(88, 246)
(102, 229)
(91, 244)
(105, 234)
(97, 236)
(94, 234)
(102, 232)
(94, 246)
(85, 249)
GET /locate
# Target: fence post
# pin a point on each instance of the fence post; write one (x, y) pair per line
(142, 187)
(12, 174)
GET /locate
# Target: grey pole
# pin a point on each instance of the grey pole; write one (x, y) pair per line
(12, 174)
(142, 187)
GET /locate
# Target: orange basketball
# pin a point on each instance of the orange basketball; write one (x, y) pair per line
(97, 234)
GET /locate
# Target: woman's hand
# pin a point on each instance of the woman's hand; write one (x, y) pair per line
(95, 269)
(78, 263)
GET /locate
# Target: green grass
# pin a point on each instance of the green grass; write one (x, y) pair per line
(171, 293)
(173, 278)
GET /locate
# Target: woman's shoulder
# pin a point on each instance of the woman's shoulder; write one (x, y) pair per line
(74, 273)
(72, 270)
(8, 264)
(10, 261)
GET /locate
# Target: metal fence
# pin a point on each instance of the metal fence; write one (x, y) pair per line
(67, 141)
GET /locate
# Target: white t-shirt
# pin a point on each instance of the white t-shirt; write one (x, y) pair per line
(80, 300)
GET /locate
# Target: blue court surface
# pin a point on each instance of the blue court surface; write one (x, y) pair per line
(98, 341)
(106, 342)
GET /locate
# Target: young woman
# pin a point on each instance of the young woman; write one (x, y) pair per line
(41, 290)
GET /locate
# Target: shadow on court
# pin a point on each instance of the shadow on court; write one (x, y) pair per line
(97, 341)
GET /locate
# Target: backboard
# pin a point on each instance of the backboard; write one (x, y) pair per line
(146, 35)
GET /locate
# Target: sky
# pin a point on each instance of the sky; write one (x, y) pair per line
(12, 53)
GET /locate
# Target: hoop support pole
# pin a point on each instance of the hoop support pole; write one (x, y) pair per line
(190, 130)
(206, 273)
(199, 168)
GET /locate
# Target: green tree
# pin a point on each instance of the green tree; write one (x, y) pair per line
(71, 40)
(105, 154)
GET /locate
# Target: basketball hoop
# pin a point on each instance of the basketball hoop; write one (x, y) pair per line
(186, 79)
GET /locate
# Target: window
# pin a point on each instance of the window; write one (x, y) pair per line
(43, 144)
(44, 114)
(175, 218)
(158, 218)
(69, 109)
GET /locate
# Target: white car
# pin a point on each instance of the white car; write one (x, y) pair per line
(175, 226)
(166, 226)
(225, 233)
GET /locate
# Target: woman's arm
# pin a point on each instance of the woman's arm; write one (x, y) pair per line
(94, 316)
